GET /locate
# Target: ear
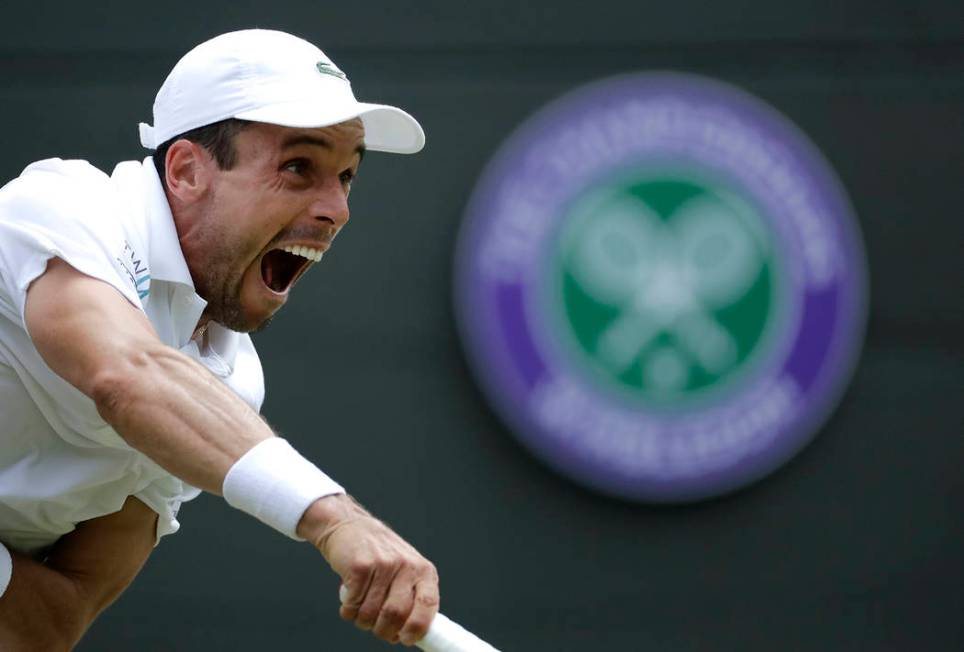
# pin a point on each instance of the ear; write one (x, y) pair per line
(188, 168)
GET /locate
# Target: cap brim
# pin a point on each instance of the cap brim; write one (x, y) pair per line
(387, 128)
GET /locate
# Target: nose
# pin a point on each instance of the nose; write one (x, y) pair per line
(331, 203)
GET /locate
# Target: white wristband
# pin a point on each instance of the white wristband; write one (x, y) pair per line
(6, 568)
(275, 484)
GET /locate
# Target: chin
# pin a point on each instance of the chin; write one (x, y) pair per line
(243, 319)
(263, 325)
(254, 308)
(249, 321)
(257, 320)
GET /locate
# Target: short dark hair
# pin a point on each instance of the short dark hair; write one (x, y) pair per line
(217, 138)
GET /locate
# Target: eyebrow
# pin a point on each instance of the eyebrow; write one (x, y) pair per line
(306, 139)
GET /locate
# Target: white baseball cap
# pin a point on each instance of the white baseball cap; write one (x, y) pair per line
(269, 76)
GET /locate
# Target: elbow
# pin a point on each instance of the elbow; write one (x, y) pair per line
(110, 392)
(114, 387)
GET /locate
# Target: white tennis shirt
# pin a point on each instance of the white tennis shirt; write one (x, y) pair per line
(60, 462)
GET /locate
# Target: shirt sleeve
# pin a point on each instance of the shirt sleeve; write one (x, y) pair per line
(62, 209)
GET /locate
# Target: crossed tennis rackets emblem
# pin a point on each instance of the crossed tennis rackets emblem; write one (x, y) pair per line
(666, 277)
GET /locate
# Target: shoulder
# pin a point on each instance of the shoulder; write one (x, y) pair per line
(66, 169)
(56, 188)
(69, 210)
(56, 195)
(58, 174)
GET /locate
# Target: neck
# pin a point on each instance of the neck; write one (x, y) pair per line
(201, 329)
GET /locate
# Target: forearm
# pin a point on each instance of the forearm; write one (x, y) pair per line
(181, 416)
(159, 400)
(176, 412)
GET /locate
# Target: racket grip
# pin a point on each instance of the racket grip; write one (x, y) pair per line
(444, 635)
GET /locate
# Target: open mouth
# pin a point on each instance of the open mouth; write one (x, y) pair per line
(280, 268)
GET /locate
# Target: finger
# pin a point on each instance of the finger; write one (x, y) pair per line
(397, 606)
(343, 598)
(352, 594)
(425, 606)
(375, 596)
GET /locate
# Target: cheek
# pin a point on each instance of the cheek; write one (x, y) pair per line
(249, 206)
(252, 285)
(272, 211)
(253, 228)
(253, 220)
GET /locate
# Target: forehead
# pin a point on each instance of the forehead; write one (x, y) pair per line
(343, 138)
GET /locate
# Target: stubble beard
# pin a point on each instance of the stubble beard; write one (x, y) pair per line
(221, 288)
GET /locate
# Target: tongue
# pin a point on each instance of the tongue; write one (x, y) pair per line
(279, 268)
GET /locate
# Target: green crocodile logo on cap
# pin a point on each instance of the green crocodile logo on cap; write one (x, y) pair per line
(327, 68)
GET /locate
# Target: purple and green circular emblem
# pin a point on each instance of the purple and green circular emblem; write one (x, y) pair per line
(661, 287)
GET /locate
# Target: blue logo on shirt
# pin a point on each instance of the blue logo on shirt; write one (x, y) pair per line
(136, 270)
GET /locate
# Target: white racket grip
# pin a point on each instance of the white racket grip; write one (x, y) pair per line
(444, 635)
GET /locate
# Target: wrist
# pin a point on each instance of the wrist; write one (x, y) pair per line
(276, 485)
(326, 513)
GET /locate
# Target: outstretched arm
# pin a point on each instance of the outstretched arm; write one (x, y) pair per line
(177, 413)
(159, 400)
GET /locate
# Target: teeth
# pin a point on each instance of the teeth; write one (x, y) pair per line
(304, 252)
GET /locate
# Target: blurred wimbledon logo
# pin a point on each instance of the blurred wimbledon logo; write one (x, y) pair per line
(660, 287)
(665, 284)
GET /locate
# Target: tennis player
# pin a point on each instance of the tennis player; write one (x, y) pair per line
(128, 383)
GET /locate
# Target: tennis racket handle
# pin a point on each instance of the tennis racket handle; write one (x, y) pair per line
(445, 635)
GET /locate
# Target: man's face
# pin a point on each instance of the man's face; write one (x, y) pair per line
(287, 191)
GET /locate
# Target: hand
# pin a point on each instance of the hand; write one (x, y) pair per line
(389, 587)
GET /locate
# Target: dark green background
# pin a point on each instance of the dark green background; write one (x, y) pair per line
(855, 545)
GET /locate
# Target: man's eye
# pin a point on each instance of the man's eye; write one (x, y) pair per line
(298, 166)
(347, 177)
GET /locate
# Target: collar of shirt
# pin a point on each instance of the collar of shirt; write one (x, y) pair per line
(166, 259)
(167, 265)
